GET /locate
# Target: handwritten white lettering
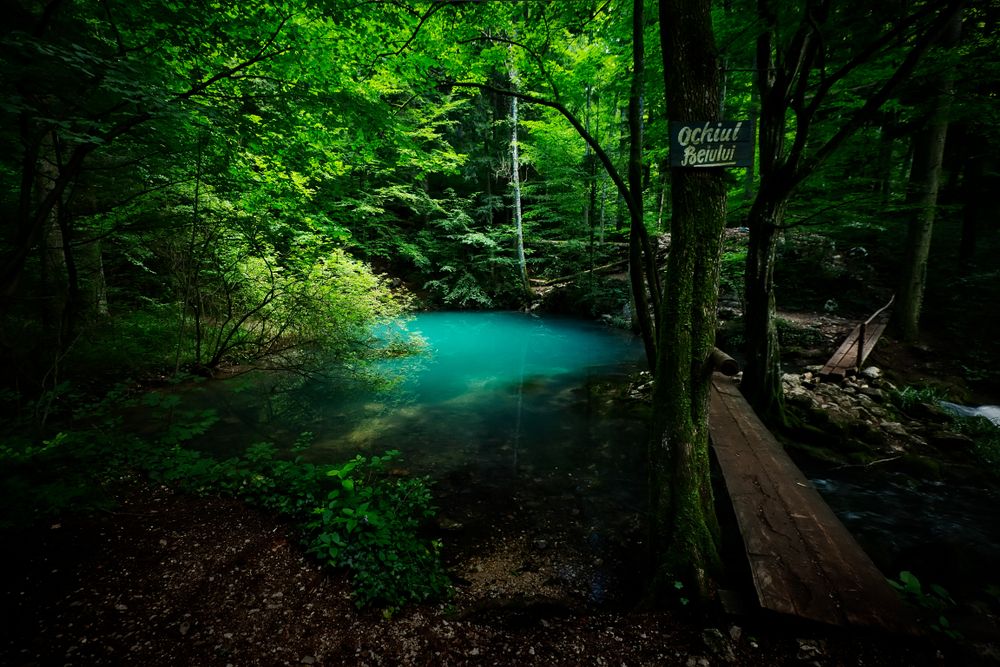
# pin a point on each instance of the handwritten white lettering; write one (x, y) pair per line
(706, 134)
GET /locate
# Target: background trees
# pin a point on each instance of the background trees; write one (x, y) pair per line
(817, 88)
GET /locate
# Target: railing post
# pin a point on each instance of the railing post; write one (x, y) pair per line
(861, 345)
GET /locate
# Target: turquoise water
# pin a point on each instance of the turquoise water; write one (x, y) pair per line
(493, 389)
(524, 425)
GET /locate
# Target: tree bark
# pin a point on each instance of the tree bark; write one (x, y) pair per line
(925, 178)
(642, 269)
(761, 384)
(515, 177)
(685, 530)
(761, 375)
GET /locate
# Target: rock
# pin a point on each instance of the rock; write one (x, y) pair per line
(697, 661)
(799, 396)
(445, 523)
(308, 660)
(185, 627)
(835, 418)
(735, 632)
(718, 644)
(873, 393)
(541, 545)
(811, 649)
(893, 428)
(950, 440)
(871, 372)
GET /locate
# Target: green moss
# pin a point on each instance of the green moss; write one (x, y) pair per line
(922, 466)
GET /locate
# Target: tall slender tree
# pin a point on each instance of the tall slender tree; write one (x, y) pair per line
(515, 179)
(922, 193)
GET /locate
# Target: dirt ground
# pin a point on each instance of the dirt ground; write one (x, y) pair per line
(167, 579)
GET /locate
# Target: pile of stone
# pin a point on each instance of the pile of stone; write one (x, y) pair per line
(859, 408)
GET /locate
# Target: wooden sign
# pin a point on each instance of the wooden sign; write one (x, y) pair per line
(726, 143)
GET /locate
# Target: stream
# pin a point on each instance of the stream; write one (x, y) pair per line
(947, 533)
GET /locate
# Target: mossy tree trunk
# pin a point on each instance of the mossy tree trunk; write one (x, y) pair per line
(761, 383)
(685, 531)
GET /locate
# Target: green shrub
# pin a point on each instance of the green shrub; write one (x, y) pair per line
(933, 601)
(354, 516)
(370, 524)
(907, 398)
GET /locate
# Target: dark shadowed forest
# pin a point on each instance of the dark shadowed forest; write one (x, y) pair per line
(383, 332)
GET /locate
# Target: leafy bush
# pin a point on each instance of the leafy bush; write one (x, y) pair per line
(934, 600)
(354, 516)
(907, 398)
(370, 524)
(732, 272)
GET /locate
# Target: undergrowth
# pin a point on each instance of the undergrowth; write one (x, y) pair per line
(353, 515)
(985, 436)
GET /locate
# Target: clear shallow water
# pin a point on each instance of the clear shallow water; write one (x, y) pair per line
(503, 404)
(522, 423)
(504, 390)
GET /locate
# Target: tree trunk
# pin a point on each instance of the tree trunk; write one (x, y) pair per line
(515, 178)
(922, 193)
(642, 261)
(761, 384)
(54, 284)
(925, 176)
(590, 208)
(685, 535)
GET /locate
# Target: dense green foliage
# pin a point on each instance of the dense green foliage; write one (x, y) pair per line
(353, 516)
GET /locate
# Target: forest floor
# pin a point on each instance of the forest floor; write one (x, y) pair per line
(171, 579)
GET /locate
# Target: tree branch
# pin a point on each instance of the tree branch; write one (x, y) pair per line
(531, 52)
(875, 101)
(609, 166)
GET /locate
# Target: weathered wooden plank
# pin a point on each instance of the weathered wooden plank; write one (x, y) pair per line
(783, 573)
(846, 356)
(802, 558)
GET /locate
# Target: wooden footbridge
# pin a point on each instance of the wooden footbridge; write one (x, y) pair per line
(851, 355)
(803, 560)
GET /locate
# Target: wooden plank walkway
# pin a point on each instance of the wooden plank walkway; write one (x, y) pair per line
(803, 560)
(854, 350)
